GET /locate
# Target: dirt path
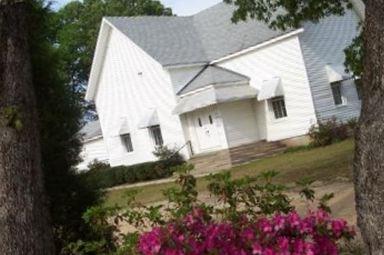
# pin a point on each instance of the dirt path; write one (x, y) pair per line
(342, 205)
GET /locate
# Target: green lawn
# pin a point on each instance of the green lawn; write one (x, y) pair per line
(322, 164)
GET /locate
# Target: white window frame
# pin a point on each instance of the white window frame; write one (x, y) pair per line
(281, 112)
(157, 141)
(128, 145)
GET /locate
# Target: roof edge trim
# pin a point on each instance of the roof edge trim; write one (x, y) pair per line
(98, 59)
(258, 46)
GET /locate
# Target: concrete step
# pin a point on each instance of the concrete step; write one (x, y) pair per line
(249, 158)
(220, 160)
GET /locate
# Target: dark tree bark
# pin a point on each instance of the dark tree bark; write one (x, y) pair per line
(369, 155)
(24, 222)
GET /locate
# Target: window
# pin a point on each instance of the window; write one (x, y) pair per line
(358, 88)
(210, 119)
(278, 105)
(156, 135)
(336, 92)
(127, 142)
(200, 124)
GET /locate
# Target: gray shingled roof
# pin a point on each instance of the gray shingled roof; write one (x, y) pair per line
(91, 130)
(201, 38)
(213, 75)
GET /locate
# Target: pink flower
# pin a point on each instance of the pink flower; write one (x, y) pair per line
(316, 234)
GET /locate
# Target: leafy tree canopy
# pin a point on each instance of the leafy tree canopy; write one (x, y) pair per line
(283, 14)
(60, 118)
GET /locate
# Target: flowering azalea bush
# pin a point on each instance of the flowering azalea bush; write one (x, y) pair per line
(244, 216)
(289, 234)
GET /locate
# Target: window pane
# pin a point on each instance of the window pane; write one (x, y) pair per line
(279, 109)
(156, 135)
(336, 91)
(200, 124)
(210, 119)
(127, 142)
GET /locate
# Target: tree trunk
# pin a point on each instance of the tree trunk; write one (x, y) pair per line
(369, 155)
(24, 221)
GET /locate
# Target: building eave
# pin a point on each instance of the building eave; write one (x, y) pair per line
(258, 46)
(98, 59)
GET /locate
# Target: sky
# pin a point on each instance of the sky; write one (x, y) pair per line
(179, 7)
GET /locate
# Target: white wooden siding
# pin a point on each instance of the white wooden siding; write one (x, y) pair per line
(130, 84)
(95, 149)
(260, 109)
(324, 43)
(283, 59)
(240, 122)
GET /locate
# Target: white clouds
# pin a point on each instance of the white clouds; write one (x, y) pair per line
(188, 7)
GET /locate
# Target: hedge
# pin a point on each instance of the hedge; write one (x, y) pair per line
(107, 177)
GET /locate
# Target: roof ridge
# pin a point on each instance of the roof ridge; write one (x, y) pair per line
(209, 8)
(199, 38)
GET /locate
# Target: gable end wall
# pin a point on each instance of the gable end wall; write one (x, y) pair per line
(285, 60)
(131, 83)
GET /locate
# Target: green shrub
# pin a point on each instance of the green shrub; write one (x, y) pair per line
(171, 155)
(352, 123)
(103, 176)
(326, 133)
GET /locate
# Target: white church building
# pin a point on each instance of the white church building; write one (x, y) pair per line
(205, 85)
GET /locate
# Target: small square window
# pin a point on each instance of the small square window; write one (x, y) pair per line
(279, 109)
(126, 139)
(336, 92)
(156, 135)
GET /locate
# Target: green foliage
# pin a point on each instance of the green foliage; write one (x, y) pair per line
(352, 123)
(326, 133)
(60, 113)
(184, 198)
(231, 200)
(103, 176)
(97, 165)
(252, 196)
(284, 14)
(77, 25)
(354, 56)
(306, 191)
(170, 155)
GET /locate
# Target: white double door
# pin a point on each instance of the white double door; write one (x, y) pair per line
(206, 129)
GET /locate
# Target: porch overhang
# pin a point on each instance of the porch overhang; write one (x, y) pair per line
(213, 95)
(270, 88)
(337, 73)
(149, 119)
(124, 128)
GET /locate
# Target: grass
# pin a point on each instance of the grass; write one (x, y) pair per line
(324, 164)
